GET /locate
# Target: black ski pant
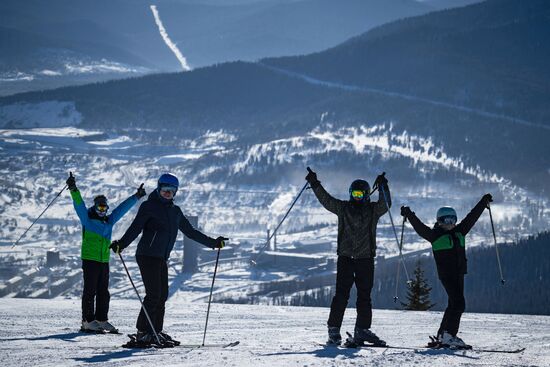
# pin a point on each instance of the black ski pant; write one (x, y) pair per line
(154, 273)
(454, 286)
(349, 271)
(96, 290)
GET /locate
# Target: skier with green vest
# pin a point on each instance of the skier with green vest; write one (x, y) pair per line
(449, 250)
(97, 227)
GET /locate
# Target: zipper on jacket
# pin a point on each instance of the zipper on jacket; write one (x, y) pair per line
(155, 235)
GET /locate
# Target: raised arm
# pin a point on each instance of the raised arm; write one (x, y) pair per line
(78, 203)
(380, 207)
(122, 209)
(468, 222)
(423, 230)
(195, 234)
(79, 206)
(330, 203)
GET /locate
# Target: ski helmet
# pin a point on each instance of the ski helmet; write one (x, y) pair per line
(359, 185)
(100, 205)
(446, 215)
(168, 179)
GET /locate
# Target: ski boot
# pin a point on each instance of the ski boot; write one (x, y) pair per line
(446, 340)
(364, 337)
(168, 340)
(334, 337)
(92, 327)
(108, 327)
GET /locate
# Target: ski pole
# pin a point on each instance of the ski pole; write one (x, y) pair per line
(43, 211)
(260, 252)
(140, 301)
(395, 298)
(381, 188)
(496, 246)
(210, 297)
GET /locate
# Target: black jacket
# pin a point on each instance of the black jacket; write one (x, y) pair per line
(357, 222)
(452, 261)
(160, 221)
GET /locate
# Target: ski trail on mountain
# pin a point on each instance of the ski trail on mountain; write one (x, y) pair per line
(355, 88)
(171, 45)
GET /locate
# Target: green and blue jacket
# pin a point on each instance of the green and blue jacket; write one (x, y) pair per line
(96, 230)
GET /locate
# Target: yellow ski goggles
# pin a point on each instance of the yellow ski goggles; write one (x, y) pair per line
(358, 194)
(102, 208)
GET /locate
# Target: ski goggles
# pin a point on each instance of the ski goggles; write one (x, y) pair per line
(102, 208)
(169, 188)
(448, 219)
(358, 194)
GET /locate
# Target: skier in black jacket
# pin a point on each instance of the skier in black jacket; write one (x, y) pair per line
(357, 222)
(449, 250)
(158, 219)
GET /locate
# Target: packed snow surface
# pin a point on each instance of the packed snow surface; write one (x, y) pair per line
(45, 333)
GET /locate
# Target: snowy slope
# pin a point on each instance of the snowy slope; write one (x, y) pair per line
(43, 332)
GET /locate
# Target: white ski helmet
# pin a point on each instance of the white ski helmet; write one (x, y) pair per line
(446, 212)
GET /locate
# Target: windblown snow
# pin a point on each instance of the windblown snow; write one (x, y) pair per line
(166, 38)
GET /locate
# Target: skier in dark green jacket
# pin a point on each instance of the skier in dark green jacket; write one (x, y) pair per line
(448, 241)
(97, 227)
(357, 221)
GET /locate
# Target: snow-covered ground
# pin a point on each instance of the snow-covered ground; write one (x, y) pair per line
(44, 333)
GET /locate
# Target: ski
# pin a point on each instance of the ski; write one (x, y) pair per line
(220, 345)
(99, 332)
(88, 331)
(135, 344)
(473, 349)
(510, 351)
(341, 346)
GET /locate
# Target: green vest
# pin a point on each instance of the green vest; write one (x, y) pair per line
(445, 242)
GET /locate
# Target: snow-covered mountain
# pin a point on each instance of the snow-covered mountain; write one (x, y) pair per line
(243, 189)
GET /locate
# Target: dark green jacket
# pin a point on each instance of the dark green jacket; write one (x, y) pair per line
(357, 222)
(449, 247)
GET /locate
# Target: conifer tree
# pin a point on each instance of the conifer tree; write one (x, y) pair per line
(418, 295)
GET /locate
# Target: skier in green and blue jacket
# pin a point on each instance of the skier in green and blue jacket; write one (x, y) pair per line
(97, 227)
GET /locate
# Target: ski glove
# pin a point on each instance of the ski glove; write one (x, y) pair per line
(487, 198)
(116, 247)
(71, 182)
(140, 192)
(381, 181)
(311, 178)
(220, 242)
(406, 212)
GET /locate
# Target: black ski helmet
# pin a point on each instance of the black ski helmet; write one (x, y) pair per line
(360, 185)
(100, 200)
